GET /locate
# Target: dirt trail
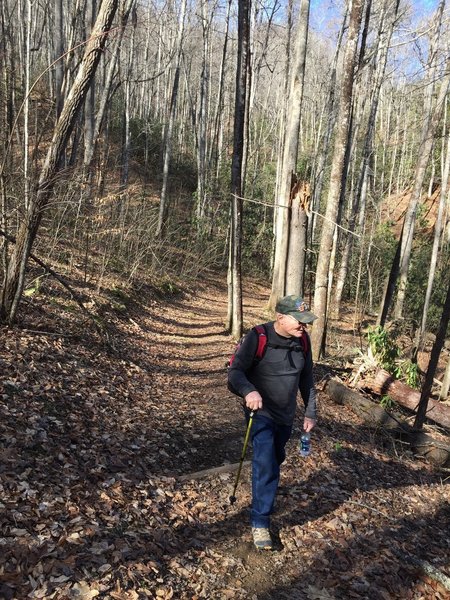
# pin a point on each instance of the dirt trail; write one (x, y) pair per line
(92, 445)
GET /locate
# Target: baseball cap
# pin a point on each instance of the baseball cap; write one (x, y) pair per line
(296, 307)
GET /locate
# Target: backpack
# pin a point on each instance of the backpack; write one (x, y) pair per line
(261, 349)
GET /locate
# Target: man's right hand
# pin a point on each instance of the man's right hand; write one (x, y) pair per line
(253, 401)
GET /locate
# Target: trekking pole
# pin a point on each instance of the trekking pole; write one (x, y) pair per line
(244, 449)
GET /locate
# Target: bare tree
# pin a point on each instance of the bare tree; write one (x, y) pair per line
(203, 115)
(234, 271)
(431, 121)
(385, 30)
(105, 96)
(432, 365)
(334, 193)
(89, 107)
(163, 201)
(438, 227)
(59, 53)
(290, 151)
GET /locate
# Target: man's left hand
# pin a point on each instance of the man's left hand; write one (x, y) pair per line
(308, 423)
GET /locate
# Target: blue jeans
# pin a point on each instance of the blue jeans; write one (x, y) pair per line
(268, 440)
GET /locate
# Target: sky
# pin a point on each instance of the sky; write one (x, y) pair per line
(324, 12)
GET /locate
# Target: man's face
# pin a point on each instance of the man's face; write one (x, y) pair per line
(289, 326)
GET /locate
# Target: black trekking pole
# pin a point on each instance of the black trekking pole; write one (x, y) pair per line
(244, 449)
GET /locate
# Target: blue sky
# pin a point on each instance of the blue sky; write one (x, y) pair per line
(322, 11)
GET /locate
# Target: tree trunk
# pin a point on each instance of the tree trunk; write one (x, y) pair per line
(203, 118)
(126, 138)
(215, 153)
(106, 91)
(163, 201)
(236, 165)
(289, 157)
(297, 239)
(434, 358)
(323, 149)
(389, 287)
(438, 226)
(430, 124)
(26, 107)
(89, 107)
(14, 279)
(345, 103)
(445, 382)
(384, 38)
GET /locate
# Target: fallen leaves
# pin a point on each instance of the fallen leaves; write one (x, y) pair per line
(90, 447)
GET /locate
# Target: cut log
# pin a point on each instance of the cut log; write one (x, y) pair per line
(372, 414)
(376, 417)
(384, 384)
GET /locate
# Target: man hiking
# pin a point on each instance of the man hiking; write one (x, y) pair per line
(269, 386)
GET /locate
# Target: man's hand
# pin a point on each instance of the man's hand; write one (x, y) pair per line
(308, 423)
(253, 401)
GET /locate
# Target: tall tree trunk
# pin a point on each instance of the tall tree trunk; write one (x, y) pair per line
(389, 286)
(410, 217)
(384, 38)
(326, 243)
(296, 258)
(126, 141)
(430, 124)
(59, 53)
(438, 226)
(203, 118)
(445, 382)
(105, 96)
(215, 152)
(14, 279)
(236, 166)
(126, 138)
(289, 158)
(89, 107)
(323, 146)
(26, 107)
(434, 358)
(163, 200)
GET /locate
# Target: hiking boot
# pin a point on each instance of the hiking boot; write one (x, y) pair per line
(261, 538)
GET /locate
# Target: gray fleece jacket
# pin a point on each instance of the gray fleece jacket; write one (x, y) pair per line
(278, 376)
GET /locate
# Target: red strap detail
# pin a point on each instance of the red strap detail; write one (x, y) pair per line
(262, 341)
(304, 341)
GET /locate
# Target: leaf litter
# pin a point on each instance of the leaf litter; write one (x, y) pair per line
(95, 447)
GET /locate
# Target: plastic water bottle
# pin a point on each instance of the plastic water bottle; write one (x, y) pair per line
(305, 443)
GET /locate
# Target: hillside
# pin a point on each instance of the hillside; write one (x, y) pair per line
(97, 445)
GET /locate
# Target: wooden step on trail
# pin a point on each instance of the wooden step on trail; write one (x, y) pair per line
(229, 468)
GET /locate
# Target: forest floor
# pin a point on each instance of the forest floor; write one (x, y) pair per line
(97, 449)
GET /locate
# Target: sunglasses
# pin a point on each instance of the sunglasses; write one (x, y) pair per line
(299, 322)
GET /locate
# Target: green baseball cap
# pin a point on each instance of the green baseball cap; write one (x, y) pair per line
(296, 307)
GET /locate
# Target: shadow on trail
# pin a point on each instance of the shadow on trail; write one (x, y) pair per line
(119, 469)
(385, 562)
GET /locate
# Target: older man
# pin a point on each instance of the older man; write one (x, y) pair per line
(269, 386)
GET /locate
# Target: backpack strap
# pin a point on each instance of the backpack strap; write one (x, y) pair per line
(262, 341)
(303, 344)
(304, 340)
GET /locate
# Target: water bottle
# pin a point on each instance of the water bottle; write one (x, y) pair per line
(305, 443)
